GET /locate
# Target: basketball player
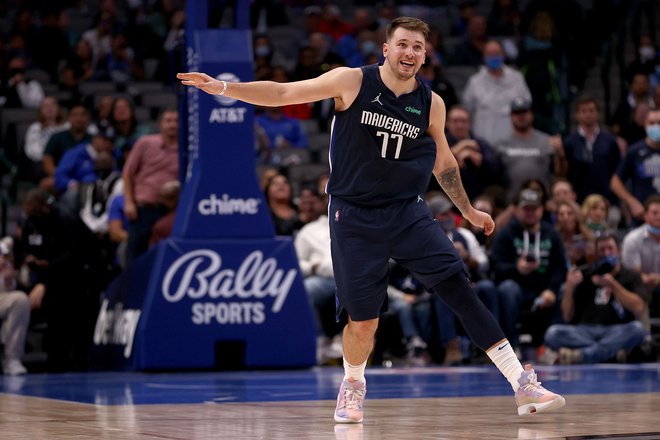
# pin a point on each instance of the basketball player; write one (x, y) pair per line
(387, 138)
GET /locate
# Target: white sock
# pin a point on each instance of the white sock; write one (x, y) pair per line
(506, 361)
(355, 372)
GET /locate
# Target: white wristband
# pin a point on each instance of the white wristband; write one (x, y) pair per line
(224, 88)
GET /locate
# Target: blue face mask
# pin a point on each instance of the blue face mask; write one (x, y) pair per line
(368, 47)
(653, 132)
(653, 230)
(262, 51)
(494, 62)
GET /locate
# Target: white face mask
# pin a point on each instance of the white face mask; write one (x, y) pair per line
(646, 53)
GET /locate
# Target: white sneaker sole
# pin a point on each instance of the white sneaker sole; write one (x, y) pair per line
(535, 408)
(344, 420)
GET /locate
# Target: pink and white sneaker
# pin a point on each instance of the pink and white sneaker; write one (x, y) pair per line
(350, 401)
(532, 398)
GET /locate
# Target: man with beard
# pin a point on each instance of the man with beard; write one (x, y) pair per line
(388, 138)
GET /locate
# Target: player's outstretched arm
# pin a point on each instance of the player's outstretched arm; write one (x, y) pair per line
(447, 173)
(332, 84)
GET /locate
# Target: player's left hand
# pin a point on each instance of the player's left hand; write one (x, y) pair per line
(482, 220)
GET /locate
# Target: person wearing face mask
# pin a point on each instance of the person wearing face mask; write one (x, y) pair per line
(641, 168)
(489, 93)
(602, 306)
(640, 251)
(645, 60)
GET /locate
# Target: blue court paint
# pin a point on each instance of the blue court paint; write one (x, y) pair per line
(111, 388)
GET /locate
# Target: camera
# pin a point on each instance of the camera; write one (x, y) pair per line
(530, 258)
(601, 266)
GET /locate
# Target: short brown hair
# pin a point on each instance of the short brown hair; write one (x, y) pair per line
(409, 23)
(650, 200)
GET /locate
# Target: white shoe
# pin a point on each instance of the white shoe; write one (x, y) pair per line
(13, 367)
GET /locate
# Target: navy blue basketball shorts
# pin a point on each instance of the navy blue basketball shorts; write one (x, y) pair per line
(364, 239)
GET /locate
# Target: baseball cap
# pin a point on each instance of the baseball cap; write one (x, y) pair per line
(520, 104)
(529, 197)
(439, 204)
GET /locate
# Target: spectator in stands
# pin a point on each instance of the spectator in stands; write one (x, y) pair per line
(50, 120)
(470, 51)
(279, 197)
(125, 127)
(102, 115)
(120, 65)
(645, 58)
(265, 54)
(78, 68)
(602, 307)
(312, 245)
(16, 90)
(638, 92)
(528, 153)
(640, 168)
(476, 262)
(433, 75)
(634, 130)
(310, 205)
(100, 36)
(404, 297)
(504, 18)
(78, 164)
(94, 196)
(153, 161)
(561, 190)
(540, 59)
(573, 234)
(529, 265)
(282, 132)
(55, 248)
(641, 251)
(14, 313)
(325, 54)
(48, 56)
(332, 23)
(488, 91)
(60, 143)
(466, 10)
(306, 67)
(594, 214)
(476, 158)
(169, 199)
(591, 152)
(505, 215)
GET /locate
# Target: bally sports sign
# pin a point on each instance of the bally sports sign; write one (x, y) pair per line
(199, 275)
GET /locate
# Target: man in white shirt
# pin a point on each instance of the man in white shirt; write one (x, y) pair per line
(641, 251)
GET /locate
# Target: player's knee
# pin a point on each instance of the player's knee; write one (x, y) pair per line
(363, 329)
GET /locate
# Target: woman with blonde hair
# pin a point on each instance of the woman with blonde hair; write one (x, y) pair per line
(595, 211)
(573, 233)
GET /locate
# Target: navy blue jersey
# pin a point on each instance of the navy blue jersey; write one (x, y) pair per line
(380, 152)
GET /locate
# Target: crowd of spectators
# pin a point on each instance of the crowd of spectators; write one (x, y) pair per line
(570, 184)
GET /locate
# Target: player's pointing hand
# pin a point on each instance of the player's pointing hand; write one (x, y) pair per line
(202, 81)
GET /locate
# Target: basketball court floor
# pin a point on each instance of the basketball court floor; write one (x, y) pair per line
(603, 401)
